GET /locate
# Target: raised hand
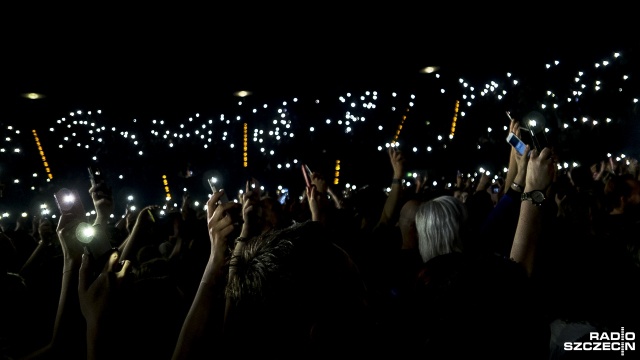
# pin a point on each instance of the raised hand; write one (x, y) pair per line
(97, 294)
(72, 214)
(522, 162)
(540, 170)
(251, 209)
(313, 199)
(220, 223)
(514, 127)
(46, 231)
(102, 198)
(100, 299)
(484, 182)
(397, 161)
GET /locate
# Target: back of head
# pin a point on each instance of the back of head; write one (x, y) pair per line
(440, 223)
(273, 214)
(478, 306)
(581, 178)
(293, 285)
(621, 190)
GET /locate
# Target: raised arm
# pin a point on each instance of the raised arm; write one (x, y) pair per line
(392, 205)
(516, 174)
(206, 315)
(99, 297)
(69, 324)
(539, 176)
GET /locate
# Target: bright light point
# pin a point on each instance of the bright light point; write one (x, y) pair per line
(429, 69)
(33, 96)
(242, 93)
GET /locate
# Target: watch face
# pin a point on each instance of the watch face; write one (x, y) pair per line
(537, 196)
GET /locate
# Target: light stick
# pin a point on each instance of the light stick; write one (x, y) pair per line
(44, 158)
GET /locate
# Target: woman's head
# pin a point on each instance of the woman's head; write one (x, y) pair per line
(440, 223)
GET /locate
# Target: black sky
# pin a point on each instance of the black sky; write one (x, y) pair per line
(167, 58)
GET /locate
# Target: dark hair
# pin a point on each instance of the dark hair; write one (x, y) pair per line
(296, 284)
(618, 186)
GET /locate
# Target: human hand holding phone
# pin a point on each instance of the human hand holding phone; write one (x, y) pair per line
(71, 215)
(212, 184)
(516, 143)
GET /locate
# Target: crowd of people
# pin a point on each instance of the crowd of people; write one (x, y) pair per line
(549, 258)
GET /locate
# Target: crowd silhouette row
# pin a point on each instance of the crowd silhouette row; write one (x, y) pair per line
(546, 258)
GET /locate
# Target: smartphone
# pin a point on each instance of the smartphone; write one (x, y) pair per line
(306, 172)
(516, 143)
(66, 199)
(212, 184)
(284, 195)
(95, 175)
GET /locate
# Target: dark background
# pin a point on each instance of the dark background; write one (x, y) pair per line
(172, 62)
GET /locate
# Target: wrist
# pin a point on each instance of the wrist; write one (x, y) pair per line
(101, 220)
(517, 187)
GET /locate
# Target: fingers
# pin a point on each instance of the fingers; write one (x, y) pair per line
(111, 263)
(85, 280)
(311, 192)
(222, 227)
(526, 154)
(545, 154)
(124, 270)
(212, 203)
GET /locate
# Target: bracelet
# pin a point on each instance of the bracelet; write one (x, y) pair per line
(396, 181)
(517, 187)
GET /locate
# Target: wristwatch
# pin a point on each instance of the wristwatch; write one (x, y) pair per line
(536, 197)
